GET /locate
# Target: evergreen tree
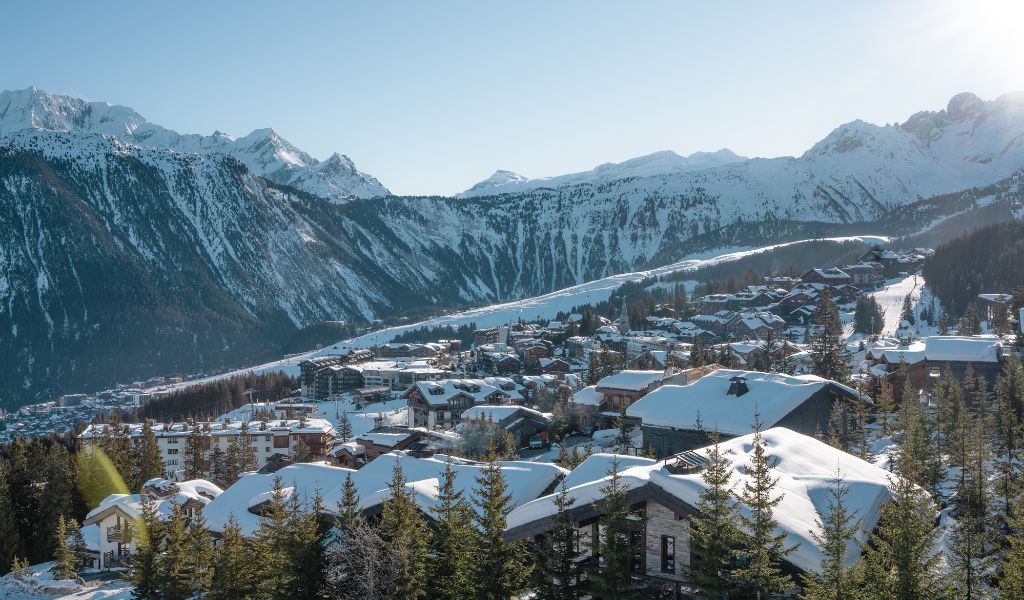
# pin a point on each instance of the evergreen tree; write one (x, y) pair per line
(622, 440)
(349, 515)
(714, 535)
(150, 465)
(762, 549)
(613, 577)
(405, 536)
(195, 454)
(233, 569)
(560, 562)
(907, 314)
(306, 544)
(1011, 565)
(899, 562)
(199, 556)
(502, 568)
(345, 427)
(271, 545)
(174, 573)
(10, 539)
(828, 358)
(1007, 440)
(65, 562)
(76, 541)
(453, 544)
(868, 317)
(970, 323)
(144, 571)
(835, 580)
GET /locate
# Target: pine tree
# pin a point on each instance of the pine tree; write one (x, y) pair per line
(199, 557)
(271, 545)
(970, 323)
(349, 515)
(839, 526)
(77, 542)
(302, 452)
(622, 440)
(560, 565)
(195, 454)
(453, 542)
(405, 536)
(10, 538)
(762, 549)
(149, 463)
(613, 577)
(174, 576)
(1011, 565)
(714, 536)
(65, 562)
(907, 314)
(345, 427)
(144, 571)
(306, 547)
(502, 569)
(1007, 439)
(233, 569)
(899, 562)
(827, 353)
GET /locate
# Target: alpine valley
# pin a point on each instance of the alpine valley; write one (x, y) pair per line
(130, 250)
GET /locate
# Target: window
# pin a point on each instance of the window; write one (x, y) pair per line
(172, 450)
(280, 441)
(668, 554)
(172, 440)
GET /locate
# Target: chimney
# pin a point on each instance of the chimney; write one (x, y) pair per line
(738, 386)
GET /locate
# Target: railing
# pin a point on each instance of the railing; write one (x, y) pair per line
(119, 534)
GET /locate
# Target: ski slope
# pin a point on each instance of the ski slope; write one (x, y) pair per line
(890, 299)
(545, 306)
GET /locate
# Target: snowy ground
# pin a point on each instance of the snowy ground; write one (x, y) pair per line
(39, 583)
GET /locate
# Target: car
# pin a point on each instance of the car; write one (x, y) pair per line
(536, 443)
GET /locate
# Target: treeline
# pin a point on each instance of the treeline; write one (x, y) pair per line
(463, 333)
(987, 260)
(209, 400)
(40, 486)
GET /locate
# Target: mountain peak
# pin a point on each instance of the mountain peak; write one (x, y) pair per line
(264, 151)
(964, 105)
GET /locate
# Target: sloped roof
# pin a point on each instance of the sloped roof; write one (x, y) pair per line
(774, 395)
(631, 380)
(804, 467)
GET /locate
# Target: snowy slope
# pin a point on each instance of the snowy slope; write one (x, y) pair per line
(858, 172)
(264, 151)
(658, 163)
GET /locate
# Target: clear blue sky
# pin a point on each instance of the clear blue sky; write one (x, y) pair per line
(431, 97)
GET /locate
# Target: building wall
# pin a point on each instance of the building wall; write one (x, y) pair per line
(663, 522)
(667, 441)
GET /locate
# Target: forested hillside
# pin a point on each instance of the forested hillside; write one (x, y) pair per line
(987, 260)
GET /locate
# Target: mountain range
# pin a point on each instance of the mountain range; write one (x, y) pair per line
(132, 250)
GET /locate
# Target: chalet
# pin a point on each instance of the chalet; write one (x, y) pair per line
(597, 403)
(440, 404)
(553, 365)
(244, 500)
(866, 275)
(534, 350)
(116, 515)
(674, 418)
(523, 423)
(386, 439)
(665, 495)
(991, 304)
(929, 357)
(832, 276)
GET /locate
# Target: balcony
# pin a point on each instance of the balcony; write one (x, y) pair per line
(120, 535)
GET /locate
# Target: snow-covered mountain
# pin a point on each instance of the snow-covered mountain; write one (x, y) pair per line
(130, 250)
(264, 151)
(858, 171)
(659, 163)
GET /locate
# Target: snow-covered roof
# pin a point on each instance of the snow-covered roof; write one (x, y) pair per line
(774, 395)
(631, 380)
(500, 412)
(597, 465)
(996, 297)
(439, 393)
(982, 348)
(221, 428)
(388, 439)
(588, 396)
(804, 467)
(526, 481)
(180, 492)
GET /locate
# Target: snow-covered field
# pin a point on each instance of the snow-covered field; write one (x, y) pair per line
(39, 583)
